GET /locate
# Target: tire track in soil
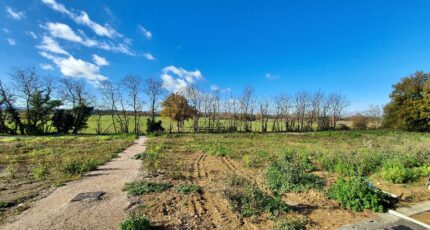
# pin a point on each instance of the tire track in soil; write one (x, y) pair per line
(234, 169)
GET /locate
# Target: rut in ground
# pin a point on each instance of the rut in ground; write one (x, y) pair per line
(57, 212)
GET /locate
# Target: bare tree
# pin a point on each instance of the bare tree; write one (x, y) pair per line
(109, 94)
(154, 90)
(246, 105)
(339, 103)
(264, 113)
(132, 84)
(195, 98)
(374, 113)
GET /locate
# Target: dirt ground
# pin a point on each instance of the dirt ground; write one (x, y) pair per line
(57, 212)
(209, 210)
(423, 217)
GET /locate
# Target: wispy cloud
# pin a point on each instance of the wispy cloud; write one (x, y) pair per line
(50, 45)
(63, 31)
(46, 66)
(17, 15)
(270, 76)
(149, 56)
(177, 79)
(83, 19)
(6, 30)
(100, 61)
(145, 32)
(32, 34)
(11, 41)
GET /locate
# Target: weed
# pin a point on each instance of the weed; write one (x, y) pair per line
(4, 204)
(357, 193)
(40, 172)
(188, 188)
(292, 223)
(248, 200)
(143, 187)
(290, 174)
(135, 223)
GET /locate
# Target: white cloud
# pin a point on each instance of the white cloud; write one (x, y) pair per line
(149, 56)
(11, 41)
(177, 79)
(5, 30)
(46, 66)
(72, 67)
(100, 61)
(145, 32)
(84, 19)
(50, 45)
(63, 31)
(15, 14)
(56, 6)
(32, 34)
(214, 87)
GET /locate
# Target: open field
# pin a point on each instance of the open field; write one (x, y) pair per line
(30, 166)
(236, 185)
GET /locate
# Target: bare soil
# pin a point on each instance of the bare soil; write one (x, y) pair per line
(210, 210)
(57, 212)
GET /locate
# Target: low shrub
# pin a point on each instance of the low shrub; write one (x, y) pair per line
(143, 187)
(135, 223)
(292, 223)
(290, 173)
(217, 149)
(4, 204)
(248, 200)
(39, 172)
(357, 193)
(188, 188)
(74, 168)
(257, 159)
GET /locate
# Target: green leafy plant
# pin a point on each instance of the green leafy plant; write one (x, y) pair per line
(357, 193)
(290, 173)
(135, 223)
(188, 188)
(143, 187)
(40, 172)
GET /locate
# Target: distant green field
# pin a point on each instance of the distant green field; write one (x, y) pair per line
(107, 126)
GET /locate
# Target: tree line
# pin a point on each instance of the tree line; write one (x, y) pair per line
(31, 105)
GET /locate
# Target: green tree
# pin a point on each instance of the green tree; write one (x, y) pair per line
(410, 104)
(176, 107)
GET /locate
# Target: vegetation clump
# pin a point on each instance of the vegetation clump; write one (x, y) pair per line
(291, 173)
(248, 200)
(292, 223)
(143, 187)
(135, 223)
(188, 188)
(357, 194)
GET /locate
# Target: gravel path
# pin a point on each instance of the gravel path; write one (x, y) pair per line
(57, 212)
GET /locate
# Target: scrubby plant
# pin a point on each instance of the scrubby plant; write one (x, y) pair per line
(4, 204)
(74, 168)
(188, 188)
(39, 172)
(144, 187)
(135, 223)
(357, 194)
(217, 149)
(291, 223)
(249, 201)
(290, 173)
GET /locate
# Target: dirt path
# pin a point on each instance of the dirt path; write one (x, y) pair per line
(57, 212)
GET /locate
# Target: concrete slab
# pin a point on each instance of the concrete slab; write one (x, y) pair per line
(88, 196)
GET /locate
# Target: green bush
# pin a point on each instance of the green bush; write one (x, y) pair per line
(73, 168)
(4, 204)
(292, 223)
(188, 188)
(357, 193)
(248, 200)
(290, 173)
(143, 187)
(399, 174)
(39, 172)
(135, 223)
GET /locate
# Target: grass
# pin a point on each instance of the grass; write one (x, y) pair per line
(138, 188)
(135, 223)
(188, 188)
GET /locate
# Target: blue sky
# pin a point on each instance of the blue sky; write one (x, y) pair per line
(358, 48)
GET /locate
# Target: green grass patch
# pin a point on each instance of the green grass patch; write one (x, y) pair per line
(135, 223)
(188, 188)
